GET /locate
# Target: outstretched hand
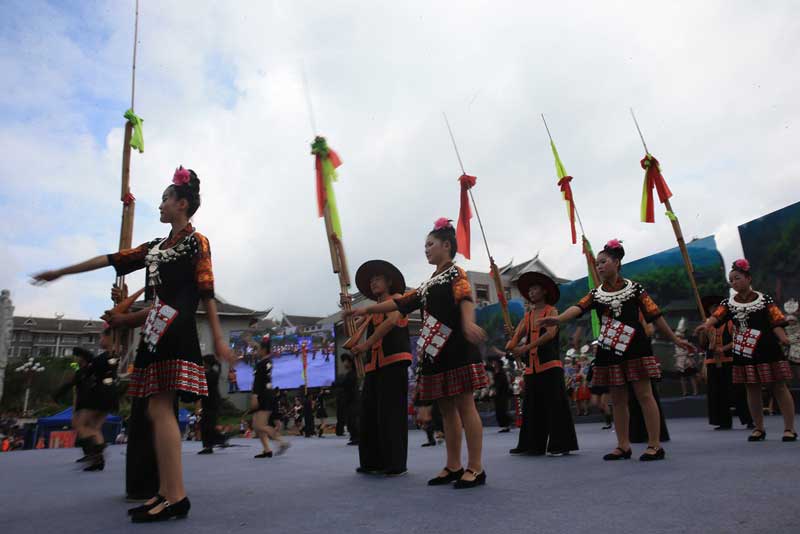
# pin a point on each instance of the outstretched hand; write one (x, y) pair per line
(42, 278)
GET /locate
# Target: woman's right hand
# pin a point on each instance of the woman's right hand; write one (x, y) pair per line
(40, 279)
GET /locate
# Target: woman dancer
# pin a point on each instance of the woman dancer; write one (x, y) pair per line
(547, 424)
(168, 362)
(262, 401)
(625, 353)
(450, 368)
(758, 358)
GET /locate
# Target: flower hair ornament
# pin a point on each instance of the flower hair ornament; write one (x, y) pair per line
(614, 243)
(442, 222)
(741, 265)
(181, 176)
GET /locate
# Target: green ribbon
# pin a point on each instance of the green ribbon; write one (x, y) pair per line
(137, 139)
(671, 216)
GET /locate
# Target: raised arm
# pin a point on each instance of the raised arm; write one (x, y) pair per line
(387, 306)
(550, 334)
(384, 328)
(573, 312)
(93, 264)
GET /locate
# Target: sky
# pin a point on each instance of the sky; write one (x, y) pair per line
(220, 88)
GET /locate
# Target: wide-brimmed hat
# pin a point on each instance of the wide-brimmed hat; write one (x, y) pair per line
(397, 284)
(529, 279)
(711, 300)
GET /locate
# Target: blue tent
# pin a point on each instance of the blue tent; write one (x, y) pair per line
(63, 421)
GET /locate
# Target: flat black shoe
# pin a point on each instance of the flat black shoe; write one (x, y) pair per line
(429, 444)
(206, 451)
(518, 450)
(479, 480)
(98, 465)
(146, 507)
(757, 435)
(179, 510)
(503, 430)
(396, 472)
(82, 459)
(451, 476)
(264, 455)
(606, 427)
(618, 454)
(793, 436)
(660, 454)
(368, 471)
(352, 443)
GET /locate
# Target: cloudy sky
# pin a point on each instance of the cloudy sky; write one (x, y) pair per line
(219, 85)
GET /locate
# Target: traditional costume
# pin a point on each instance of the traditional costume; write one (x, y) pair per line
(547, 424)
(383, 439)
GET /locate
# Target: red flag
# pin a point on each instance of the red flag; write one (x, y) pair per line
(652, 178)
(566, 189)
(464, 215)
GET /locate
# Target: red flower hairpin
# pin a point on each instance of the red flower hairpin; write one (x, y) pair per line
(181, 176)
(742, 264)
(614, 243)
(442, 222)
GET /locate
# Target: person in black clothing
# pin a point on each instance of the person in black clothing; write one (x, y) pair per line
(308, 415)
(321, 413)
(383, 425)
(347, 399)
(210, 407)
(502, 392)
(262, 402)
(433, 426)
(547, 424)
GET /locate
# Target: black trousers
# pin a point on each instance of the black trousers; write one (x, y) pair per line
(141, 468)
(638, 430)
(723, 394)
(341, 416)
(501, 411)
(383, 438)
(547, 424)
(208, 428)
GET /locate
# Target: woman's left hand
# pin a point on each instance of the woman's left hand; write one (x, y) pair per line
(474, 333)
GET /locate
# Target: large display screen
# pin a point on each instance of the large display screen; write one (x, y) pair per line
(287, 357)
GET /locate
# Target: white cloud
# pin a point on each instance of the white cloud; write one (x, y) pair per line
(219, 87)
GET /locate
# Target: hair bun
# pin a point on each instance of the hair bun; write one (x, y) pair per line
(614, 249)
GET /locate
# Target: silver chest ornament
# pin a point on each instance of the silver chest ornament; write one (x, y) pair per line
(616, 299)
(157, 256)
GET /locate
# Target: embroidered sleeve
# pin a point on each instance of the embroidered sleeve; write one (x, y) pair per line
(408, 302)
(462, 290)
(587, 302)
(648, 307)
(721, 313)
(129, 260)
(776, 317)
(203, 272)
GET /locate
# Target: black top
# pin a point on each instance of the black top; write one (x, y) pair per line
(396, 341)
(348, 388)
(441, 296)
(262, 377)
(626, 304)
(761, 314)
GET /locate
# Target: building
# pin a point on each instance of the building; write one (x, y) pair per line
(304, 325)
(483, 290)
(40, 337)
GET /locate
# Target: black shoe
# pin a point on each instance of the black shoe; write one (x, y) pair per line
(369, 471)
(84, 458)
(723, 427)
(792, 437)
(179, 510)
(451, 476)
(479, 480)
(618, 454)
(429, 444)
(264, 454)
(352, 443)
(97, 465)
(504, 430)
(396, 472)
(146, 507)
(518, 450)
(757, 435)
(209, 450)
(660, 454)
(606, 427)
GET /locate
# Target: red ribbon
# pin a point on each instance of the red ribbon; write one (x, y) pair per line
(464, 215)
(566, 189)
(322, 194)
(654, 178)
(128, 199)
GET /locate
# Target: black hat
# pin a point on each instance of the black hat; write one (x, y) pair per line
(529, 279)
(397, 284)
(711, 300)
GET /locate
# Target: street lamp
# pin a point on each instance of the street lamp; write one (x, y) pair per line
(30, 368)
